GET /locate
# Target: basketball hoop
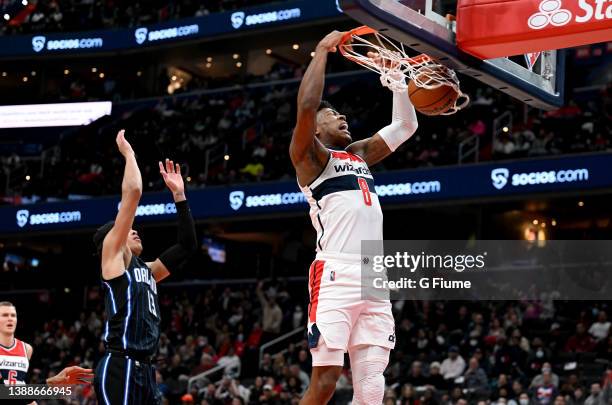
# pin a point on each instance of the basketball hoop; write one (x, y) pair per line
(394, 65)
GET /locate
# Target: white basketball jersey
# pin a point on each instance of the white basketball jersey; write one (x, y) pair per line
(344, 207)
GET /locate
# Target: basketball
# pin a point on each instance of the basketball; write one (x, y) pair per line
(431, 101)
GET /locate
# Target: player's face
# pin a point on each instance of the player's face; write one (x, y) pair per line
(134, 243)
(332, 128)
(8, 320)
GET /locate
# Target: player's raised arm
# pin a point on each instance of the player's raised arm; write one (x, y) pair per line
(186, 243)
(307, 153)
(131, 189)
(403, 125)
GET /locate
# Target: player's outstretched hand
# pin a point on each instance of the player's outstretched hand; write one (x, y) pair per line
(331, 41)
(72, 376)
(171, 173)
(123, 145)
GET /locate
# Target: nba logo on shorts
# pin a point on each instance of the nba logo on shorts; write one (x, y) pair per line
(500, 177)
(38, 43)
(332, 276)
(237, 19)
(141, 35)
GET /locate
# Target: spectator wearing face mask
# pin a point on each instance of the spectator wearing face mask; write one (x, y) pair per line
(523, 399)
(538, 379)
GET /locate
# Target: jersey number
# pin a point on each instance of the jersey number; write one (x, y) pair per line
(151, 303)
(12, 380)
(363, 185)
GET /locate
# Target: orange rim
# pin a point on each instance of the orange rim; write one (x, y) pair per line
(365, 30)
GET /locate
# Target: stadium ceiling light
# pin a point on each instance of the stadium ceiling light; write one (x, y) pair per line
(24, 2)
(235, 56)
(94, 69)
(226, 157)
(188, 179)
(505, 129)
(581, 203)
(7, 17)
(173, 78)
(268, 51)
(139, 73)
(208, 65)
(296, 46)
(66, 71)
(33, 73)
(101, 75)
(27, 177)
(312, 54)
(553, 223)
(535, 222)
(238, 64)
(4, 74)
(25, 79)
(209, 59)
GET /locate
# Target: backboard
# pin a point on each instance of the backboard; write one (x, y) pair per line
(423, 26)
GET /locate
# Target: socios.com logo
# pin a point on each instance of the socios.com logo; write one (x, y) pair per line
(38, 43)
(236, 198)
(141, 35)
(499, 177)
(240, 18)
(237, 19)
(22, 218)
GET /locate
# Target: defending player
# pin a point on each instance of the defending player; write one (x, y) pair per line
(125, 374)
(333, 173)
(15, 356)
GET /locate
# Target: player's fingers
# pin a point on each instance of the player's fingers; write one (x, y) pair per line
(178, 168)
(168, 166)
(161, 168)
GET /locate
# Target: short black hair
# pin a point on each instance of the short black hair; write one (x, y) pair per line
(325, 104)
(101, 232)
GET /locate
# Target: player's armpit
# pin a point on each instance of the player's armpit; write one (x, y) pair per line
(372, 150)
(159, 270)
(29, 351)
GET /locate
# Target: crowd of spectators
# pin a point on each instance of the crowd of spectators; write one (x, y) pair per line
(447, 353)
(234, 136)
(73, 15)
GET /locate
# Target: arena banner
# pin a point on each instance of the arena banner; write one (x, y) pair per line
(196, 28)
(491, 29)
(450, 183)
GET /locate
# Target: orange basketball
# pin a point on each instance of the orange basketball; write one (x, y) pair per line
(431, 101)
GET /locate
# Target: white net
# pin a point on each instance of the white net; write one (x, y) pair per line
(378, 53)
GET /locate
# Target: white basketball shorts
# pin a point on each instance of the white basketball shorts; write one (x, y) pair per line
(338, 314)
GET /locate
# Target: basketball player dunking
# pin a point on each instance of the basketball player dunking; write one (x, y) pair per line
(332, 171)
(125, 374)
(15, 356)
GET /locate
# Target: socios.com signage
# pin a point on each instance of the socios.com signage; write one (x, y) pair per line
(490, 180)
(168, 32)
(40, 43)
(240, 18)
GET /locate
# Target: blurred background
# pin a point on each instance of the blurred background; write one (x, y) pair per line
(212, 84)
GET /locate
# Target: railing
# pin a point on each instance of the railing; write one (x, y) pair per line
(279, 339)
(202, 376)
(468, 147)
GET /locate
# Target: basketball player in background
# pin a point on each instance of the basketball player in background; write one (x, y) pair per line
(333, 172)
(15, 356)
(125, 374)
